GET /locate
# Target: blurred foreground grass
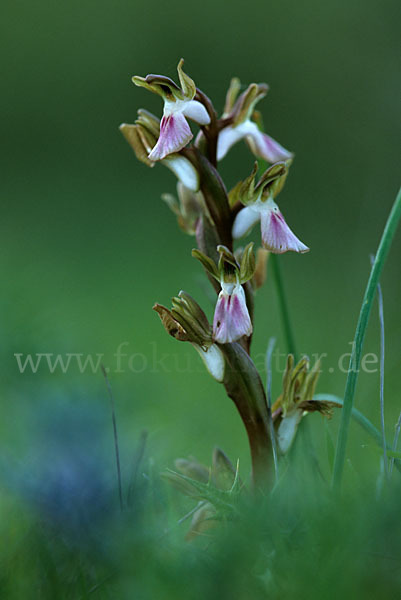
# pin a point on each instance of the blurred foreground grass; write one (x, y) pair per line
(300, 543)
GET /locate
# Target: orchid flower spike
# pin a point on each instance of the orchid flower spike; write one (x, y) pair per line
(231, 317)
(239, 115)
(260, 206)
(179, 103)
(187, 322)
(142, 137)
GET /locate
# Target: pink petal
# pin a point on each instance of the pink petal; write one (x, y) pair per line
(277, 236)
(174, 135)
(231, 318)
(266, 147)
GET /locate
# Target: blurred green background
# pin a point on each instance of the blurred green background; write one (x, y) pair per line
(88, 246)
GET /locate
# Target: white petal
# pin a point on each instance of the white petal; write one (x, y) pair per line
(244, 221)
(184, 171)
(287, 429)
(213, 359)
(197, 112)
(228, 137)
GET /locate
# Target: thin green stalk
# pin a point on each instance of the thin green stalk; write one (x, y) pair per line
(380, 258)
(382, 353)
(285, 315)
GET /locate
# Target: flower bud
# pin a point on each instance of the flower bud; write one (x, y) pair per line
(139, 141)
(203, 520)
(223, 472)
(187, 322)
(188, 209)
(297, 400)
(231, 96)
(192, 468)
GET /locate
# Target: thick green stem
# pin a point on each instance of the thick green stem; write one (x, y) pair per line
(245, 388)
(353, 370)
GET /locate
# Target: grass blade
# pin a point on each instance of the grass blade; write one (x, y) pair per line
(139, 454)
(355, 359)
(382, 349)
(116, 447)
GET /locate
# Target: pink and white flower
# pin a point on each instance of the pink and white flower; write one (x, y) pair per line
(175, 132)
(179, 104)
(261, 144)
(276, 234)
(231, 318)
(240, 125)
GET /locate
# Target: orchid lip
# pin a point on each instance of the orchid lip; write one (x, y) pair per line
(174, 135)
(276, 234)
(231, 318)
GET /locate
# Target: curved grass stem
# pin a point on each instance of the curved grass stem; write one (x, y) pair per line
(355, 359)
